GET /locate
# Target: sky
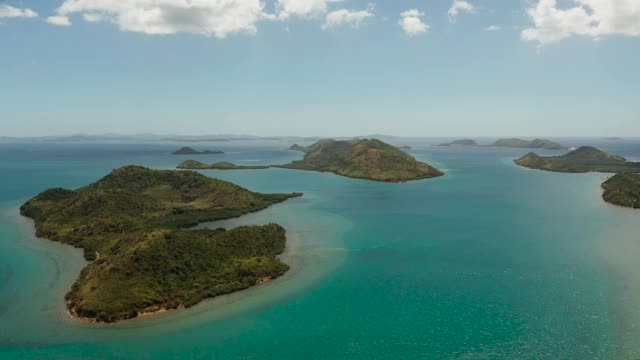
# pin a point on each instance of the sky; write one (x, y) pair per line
(320, 67)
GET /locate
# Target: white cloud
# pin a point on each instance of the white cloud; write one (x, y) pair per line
(302, 8)
(493, 28)
(459, 6)
(346, 17)
(92, 17)
(7, 11)
(592, 18)
(411, 22)
(59, 20)
(206, 17)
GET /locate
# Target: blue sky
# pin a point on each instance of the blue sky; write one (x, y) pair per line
(318, 67)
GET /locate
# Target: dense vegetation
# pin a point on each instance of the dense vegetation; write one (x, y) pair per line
(190, 151)
(582, 160)
(463, 142)
(364, 159)
(130, 225)
(623, 190)
(526, 144)
(196, 165)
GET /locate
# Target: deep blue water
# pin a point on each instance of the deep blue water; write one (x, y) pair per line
(491, 261)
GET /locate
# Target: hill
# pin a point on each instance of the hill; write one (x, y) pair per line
(582, 160)
(196, 165)
(623, 190)
(369, 159)
(130, 224)
(526, 144)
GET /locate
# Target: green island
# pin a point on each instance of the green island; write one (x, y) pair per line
(462, 142)
(197, 165)
(132, 225)
(526, 144)
(582, 160)
(369, 159)
(191, 151)
(623, 190)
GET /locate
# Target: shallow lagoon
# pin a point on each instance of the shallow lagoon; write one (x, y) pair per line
(490, 262)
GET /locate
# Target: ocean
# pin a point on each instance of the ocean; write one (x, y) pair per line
(491, 261)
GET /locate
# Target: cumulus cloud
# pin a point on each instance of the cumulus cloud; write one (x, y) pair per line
(92, 17)
(346, 17)
(493, 28)
(302, 8)
(59, 20)
(591, 18)
(411, 22)
(459, 6)
(7, 11)
(217, 18)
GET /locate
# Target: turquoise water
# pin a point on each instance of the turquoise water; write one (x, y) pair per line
(490, 262)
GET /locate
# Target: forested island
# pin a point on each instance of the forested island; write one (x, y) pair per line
(582, 160)
(623, 190)
(132, 226)
(369, 159)
(510, 143)
(191, 151)
(529, 144)
(462, 142)
(197, 165)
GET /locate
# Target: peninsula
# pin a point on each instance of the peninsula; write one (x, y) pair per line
(582, 160)
(132, 226)
(369, 159)
(623, 190)
(190, 151)
(197, 165)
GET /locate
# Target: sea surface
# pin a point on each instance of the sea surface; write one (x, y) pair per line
(492, 261)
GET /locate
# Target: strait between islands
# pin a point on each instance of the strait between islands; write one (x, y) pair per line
(622, 189)
(133, 227)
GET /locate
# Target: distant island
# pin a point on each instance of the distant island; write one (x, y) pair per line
(526, 144)
(463, 142)
(297, 147)
(196, 165)
(131, 225)
(623, 190)
(369, 159)
(190, 151)
(509, 143)
(582, 160)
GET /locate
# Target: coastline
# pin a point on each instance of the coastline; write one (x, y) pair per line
(265, 291)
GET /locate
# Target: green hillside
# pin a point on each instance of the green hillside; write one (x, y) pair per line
(364, 159)
(623, 190)
(130, 224)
